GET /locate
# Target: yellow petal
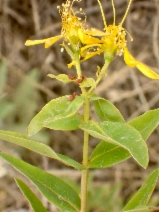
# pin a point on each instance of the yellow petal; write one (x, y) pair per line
(83, 49)
(52, 40)
(35, 42)
(71, 64)
(95, 32)
(91, 54)
(129, 59)
(147, 71)
(48, 41)
(86, 39)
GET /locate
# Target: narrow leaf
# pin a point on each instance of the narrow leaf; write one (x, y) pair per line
(120, 134)
(53, 188)
(143, 195)
(22, 140)
(105, 110)
(31, 197)
(146, 123)
(56, 109)
(107, 154)
(144, 209)
(68, 123)
(88, 82)
(61, 77)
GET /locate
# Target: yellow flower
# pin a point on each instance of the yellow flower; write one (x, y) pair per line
(113, 43)
(74, 31)
(72, 28)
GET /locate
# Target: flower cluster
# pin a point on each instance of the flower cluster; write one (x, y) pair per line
(89, 42)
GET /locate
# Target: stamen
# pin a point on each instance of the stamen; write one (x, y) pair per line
(103, 16)
(113, 11)
(127, 10)
(131, 38)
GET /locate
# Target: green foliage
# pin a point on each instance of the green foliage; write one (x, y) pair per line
(66, 123)
(56, 110)
(122, 135)
(143, 195)
(144, 209)
(107, 154)
(13, 109)
(88, 82)
(102, 198)
(146, 123)
(119, 140)
(22, 140)
(53, 188)
(105, 110)
(61, 77)
(31, 197)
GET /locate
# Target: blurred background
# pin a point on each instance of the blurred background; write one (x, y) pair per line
(25, 89)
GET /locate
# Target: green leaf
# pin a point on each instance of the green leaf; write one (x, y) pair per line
(105, 110)
(61, 77)
(107, 154)
(120, 134)
(22, 140)
(57, 109)
(53, 188)
(31, 197)
(88, 82)
(143, 195)
(146, 123)
(144, 209)
(68, 123)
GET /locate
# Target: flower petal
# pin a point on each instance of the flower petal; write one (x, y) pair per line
(129, 59)
(48, 41)
(35, 42)
(87, 39)
(52, 40)
(91, 54)
(94, 32)
(71, 64)
(147, 71)
(83, 49)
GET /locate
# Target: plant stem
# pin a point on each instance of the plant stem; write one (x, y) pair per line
(78, 67)
(101, 75)
(84, 178)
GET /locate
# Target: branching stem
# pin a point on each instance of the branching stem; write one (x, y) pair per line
(84, 178)
(101, 75)
(85, 94)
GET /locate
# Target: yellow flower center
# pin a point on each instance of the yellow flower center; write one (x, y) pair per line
(115, 38)
(115, 35)
(71, 22)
